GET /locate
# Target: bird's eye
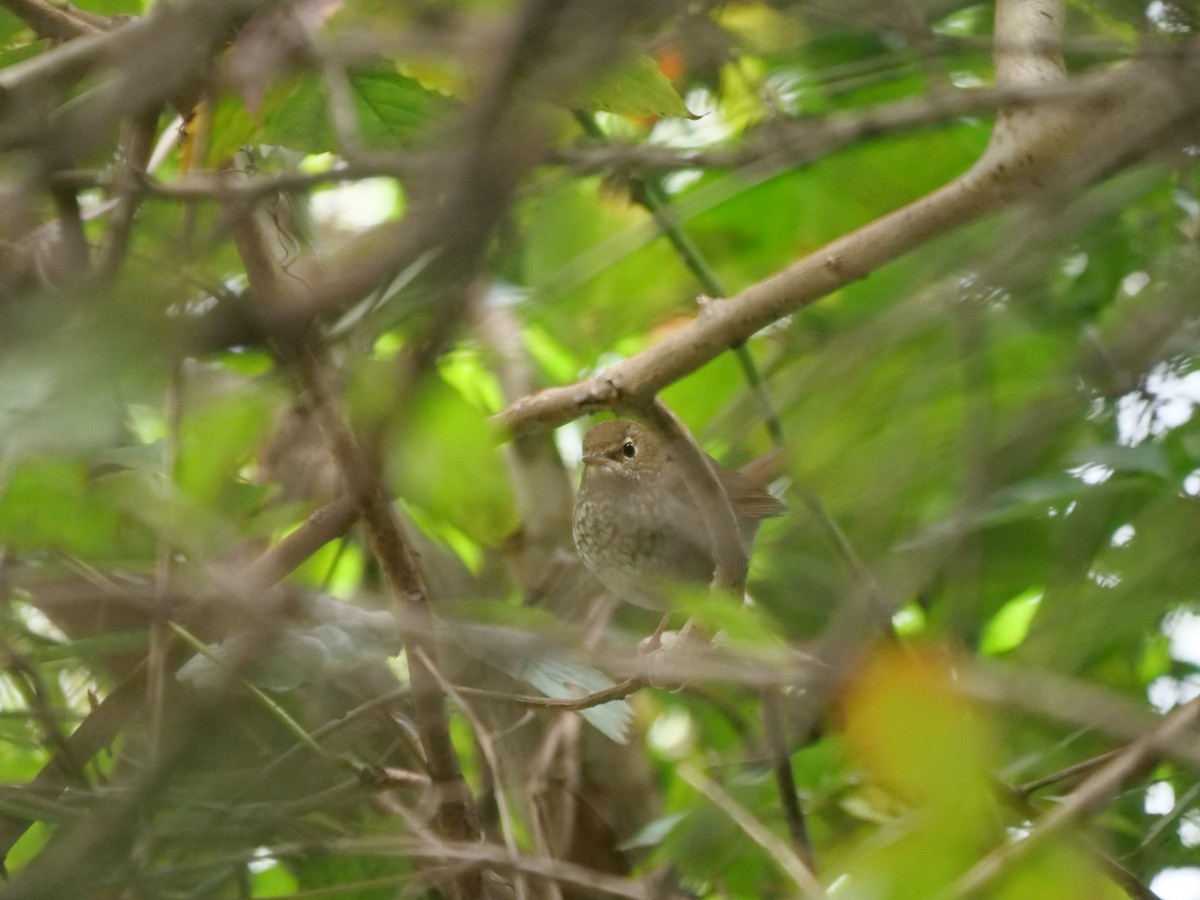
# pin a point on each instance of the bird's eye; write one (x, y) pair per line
(629, 449)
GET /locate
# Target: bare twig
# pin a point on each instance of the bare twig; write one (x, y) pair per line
(136, 145)
(487, 746)
(324, 525)
(455, 817)
(796, 143)
(73, 258)
(1129, 882)
(1070, 773)
(649, 193)
(156, 57)
(617, 692)
(785, 778)
(475, 855)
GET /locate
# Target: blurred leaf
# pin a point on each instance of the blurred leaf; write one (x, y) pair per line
(599, 276)
(389, 108)
(450, 439)
(13, 54)
(11, 28)
(464, 370)
(635, 88)
(52, 503)
(1146, 458)
(114, 7)
(147, 499)
(1058, 872)
(218, 438)
(921, 742)
(1032, 497)
(272, 880)
(737, 624)
(294, 656)
(1008, 627)
(653, 833)
(919, 738)
(995, 437)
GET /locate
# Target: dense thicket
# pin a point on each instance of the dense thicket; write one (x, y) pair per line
(304, 307)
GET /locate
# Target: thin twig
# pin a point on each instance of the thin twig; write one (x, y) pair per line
(488, 747)
(1070, 773)
(1097, 790)
(455, 816)
(136, 145)
(787, 861)
(785, 778)
(617, 692)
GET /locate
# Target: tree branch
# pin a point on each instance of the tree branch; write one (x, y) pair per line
(757, 832)
(1097, 790)
(1129, 112)
(50, 21)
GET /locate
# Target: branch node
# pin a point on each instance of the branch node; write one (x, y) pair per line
(707, 306)
(606, 391)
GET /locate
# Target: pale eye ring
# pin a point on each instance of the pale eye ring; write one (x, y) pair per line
(629, 449)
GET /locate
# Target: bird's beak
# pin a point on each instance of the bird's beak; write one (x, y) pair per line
(593, 459)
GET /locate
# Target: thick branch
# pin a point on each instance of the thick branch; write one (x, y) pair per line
(158, 58)
(455, 817)
(455, 814)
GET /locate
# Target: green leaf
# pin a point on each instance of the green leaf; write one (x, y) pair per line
(1031, 497)
(113, 8)
(652, 833)
(1147, 458)
(635, 88)
(218, 438)
(53, 503)
(1008, 627)
(389, 109)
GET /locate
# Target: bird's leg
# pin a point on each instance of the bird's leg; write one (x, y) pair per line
(654, 642)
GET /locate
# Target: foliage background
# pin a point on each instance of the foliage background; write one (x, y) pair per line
(372, 231)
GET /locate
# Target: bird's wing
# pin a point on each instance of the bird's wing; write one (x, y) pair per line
(747, 493)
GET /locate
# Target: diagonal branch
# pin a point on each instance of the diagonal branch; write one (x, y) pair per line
(1124, 115)
(455, 817)
(51, 21)
(757, 832)
(1096, 791)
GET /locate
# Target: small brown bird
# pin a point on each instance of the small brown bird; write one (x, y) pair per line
(636, 523)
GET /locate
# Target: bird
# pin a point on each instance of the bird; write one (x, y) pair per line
(637, 526)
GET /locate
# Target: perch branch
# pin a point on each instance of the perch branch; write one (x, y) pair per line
(1124, 114)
